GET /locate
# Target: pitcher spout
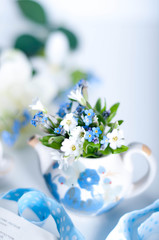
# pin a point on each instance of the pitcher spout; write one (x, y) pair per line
(43, 152)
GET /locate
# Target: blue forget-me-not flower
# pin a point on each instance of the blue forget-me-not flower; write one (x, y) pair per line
(89, 113)
(96, 131)
(89, 136)
(87, 120)
(39, 118)
(104, 142)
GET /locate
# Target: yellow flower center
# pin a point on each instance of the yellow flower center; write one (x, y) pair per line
(96, 131)
(90, 135)
(73, 147)
(115, 138)
(57, 130)
(68, 122)
(89, 114)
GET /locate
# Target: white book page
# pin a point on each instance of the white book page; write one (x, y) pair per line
(13, 227)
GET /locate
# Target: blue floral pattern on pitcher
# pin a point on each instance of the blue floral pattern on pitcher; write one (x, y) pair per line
(88, 178)
(73, 200)
(81, 188)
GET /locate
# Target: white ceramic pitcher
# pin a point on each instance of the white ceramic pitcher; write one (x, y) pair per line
(94, 185)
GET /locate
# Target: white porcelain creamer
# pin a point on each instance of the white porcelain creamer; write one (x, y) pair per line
(92, 186)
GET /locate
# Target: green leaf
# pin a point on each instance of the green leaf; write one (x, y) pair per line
(113, 111)
(113, 125)
(48, 130)
(53, 124)
(101, 128)
(33, 11)
(85, 93)
(85, 145)
(120, 150)
(78, 75)
(73, 41)
(114, 108)
(120, 122)
(29, 44)
(98, 105)
(111, 116)
(87, 155)
(100, 119)
(104, 108)
(59, 119)
(52, 141)
(90, 147)
(107, 151)
(88, 105)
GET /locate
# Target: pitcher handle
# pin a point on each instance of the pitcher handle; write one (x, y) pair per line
(142, 184)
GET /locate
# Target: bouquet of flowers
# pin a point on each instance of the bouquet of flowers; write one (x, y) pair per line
(79, 129)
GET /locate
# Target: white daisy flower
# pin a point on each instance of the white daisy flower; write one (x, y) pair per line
(78, 133)
(37, 105)
(77, 95)
(116, 138)
(71, 147)
(69, 122)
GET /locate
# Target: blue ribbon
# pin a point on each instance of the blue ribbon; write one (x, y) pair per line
(11, 137)
(43, 207)
(133, 226)
(130, 226)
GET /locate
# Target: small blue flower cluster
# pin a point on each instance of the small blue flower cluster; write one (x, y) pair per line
(10, 138)
(79, 109)
(104, 142)
(106, 114)
(39, 118)
(82, 83)
(64, 109)
(93, 133)
(58, 130)
(88, 119)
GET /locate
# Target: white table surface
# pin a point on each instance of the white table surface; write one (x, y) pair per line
(26, 173)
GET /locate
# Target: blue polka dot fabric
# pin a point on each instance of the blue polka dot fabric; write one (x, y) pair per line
(138, 225)
(43, 207)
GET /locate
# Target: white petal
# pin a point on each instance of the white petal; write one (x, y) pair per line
(115, 133)
(113, 145)
(109, 135)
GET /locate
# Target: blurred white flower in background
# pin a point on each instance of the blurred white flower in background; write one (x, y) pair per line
(53, 64)
(57, 48)
(18, 87)
(15, 71)
(14, 66)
